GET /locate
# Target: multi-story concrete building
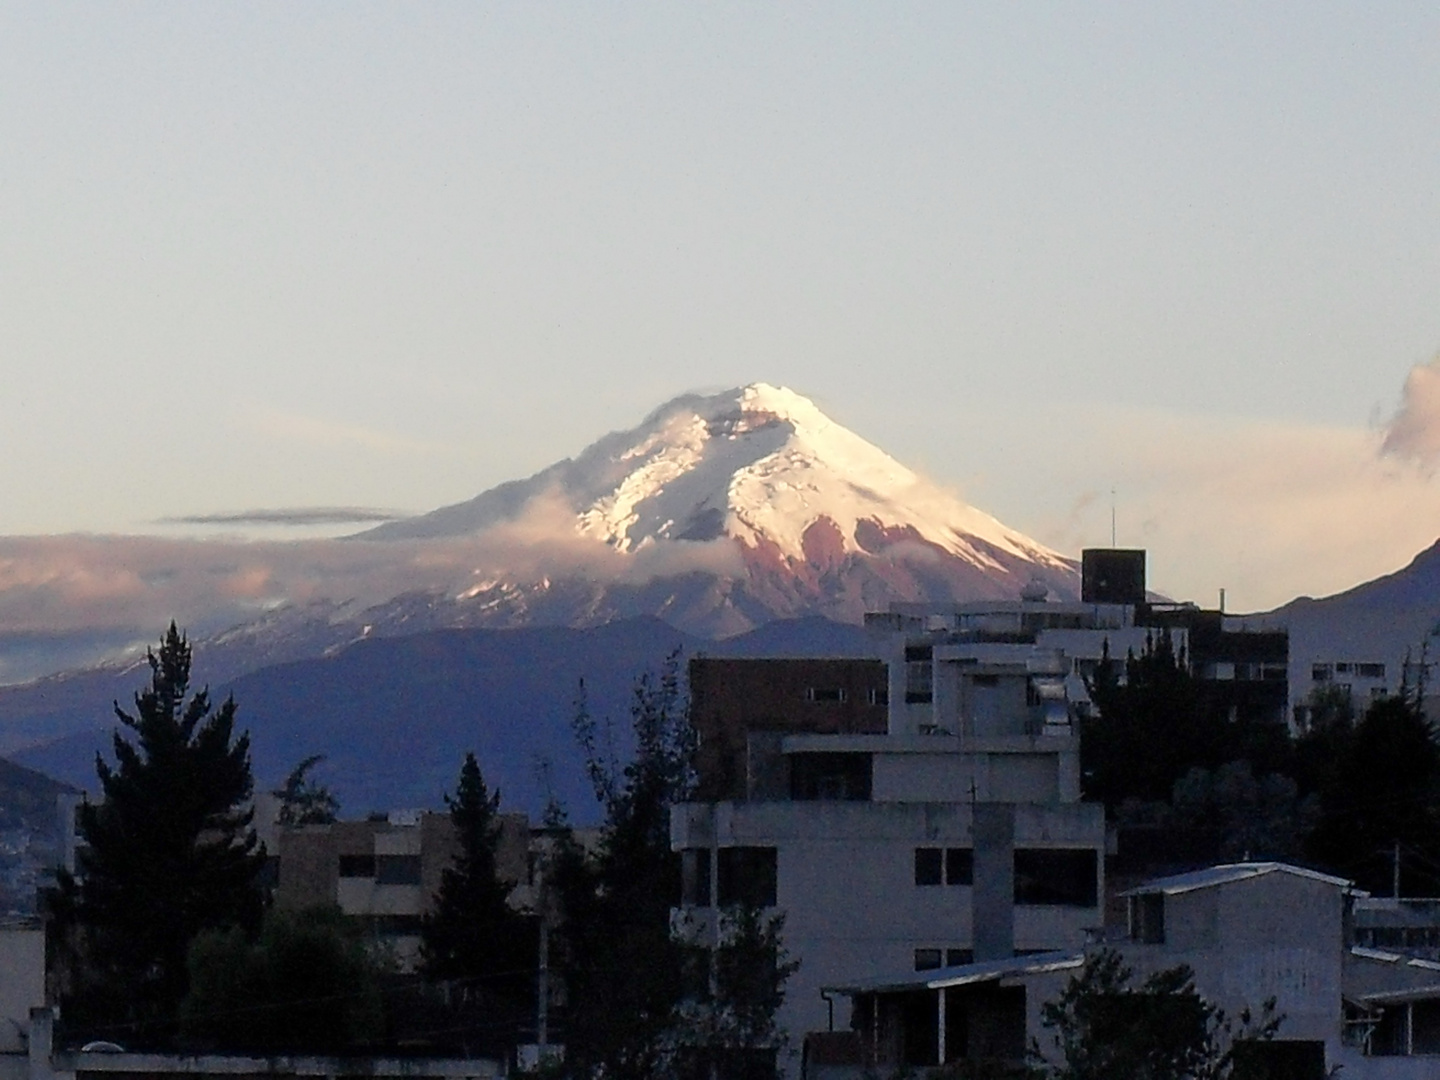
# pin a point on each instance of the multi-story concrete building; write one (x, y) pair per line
(956, 833)
(386, 870)
(735, 701)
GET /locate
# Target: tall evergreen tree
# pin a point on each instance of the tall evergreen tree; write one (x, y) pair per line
(624, 971)
(167, 853)
(473, 938)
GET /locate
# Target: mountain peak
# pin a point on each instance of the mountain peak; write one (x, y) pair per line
(760, 465)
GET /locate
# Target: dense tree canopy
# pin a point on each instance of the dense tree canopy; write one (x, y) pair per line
(1352, 794)
(167, 853)
(1103, 1027)
(308, 984)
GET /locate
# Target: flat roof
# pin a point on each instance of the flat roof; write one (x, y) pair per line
(1228, 873)
(965, 974)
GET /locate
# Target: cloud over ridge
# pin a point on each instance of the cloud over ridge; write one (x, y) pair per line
(1414, 431)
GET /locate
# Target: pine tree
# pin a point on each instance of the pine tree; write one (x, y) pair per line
(473, 938)
(167, 853)
(625, 973)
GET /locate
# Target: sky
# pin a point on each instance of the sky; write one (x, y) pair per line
(358, 259)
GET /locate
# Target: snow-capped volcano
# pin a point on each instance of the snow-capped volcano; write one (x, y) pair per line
(820, 518)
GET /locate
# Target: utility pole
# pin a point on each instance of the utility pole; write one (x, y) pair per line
(1395, 880)
(542, 977)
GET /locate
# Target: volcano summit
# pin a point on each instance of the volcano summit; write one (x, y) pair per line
(732, 509)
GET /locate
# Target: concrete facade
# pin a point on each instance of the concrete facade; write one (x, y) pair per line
(386, 871)
(22, 989)
(1248, 933)
(733, 700)
(956, 833)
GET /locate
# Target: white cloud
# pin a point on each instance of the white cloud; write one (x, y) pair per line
(1414, 431)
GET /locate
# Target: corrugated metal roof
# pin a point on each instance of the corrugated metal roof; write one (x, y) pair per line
(965, 974)
(1227, 874)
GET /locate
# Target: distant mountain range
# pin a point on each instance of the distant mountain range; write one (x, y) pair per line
(395, 716)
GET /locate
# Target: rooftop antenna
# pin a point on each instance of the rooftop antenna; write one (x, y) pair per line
(1112, 517)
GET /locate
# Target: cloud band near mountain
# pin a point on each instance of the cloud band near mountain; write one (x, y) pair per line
(293, 516)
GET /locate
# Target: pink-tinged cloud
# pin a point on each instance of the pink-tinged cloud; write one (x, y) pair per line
(54, 584)
(1414, 432)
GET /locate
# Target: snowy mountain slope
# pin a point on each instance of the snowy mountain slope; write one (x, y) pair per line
(717, 513)
(764, 467)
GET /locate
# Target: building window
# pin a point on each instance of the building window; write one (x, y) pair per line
(1147, 919)
(944, 866)
(959, 957)
(830, 776)
(353, 866)
(397, 869)
(1320, 672)
(747, 876)
(1058, 876)
(919, 675)
(695, 877)
(393, 925)
(928, 959)
(959, 866)
(1370, 671)
(825, 695)
(929, 866)
(880, 696)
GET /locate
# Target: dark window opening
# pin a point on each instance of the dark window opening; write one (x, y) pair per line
(825, 695)
(880, 697)
(747, 876)
(393, 925)
(959, 866)
(830, 776)
(959, 957)
(986, 680)
(927, 959)
(1147, 919)
(695, 877)
(357, 866)
(919, 675)
(1064, 877)
(1281, 1059)
(929, 862)
(397, 869)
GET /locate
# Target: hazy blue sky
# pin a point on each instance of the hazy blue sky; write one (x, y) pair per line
(310, 254)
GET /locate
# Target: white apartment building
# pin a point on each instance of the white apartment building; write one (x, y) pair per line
(956, 835)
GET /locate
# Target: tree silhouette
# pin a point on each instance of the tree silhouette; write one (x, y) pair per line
(167, 852)
(473, 938)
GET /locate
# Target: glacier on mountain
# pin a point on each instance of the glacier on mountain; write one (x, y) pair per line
(759, 464)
